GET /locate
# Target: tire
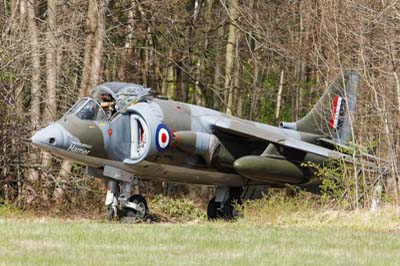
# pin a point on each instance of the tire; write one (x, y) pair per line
(228, 211)
(141, 201)
(212, 209)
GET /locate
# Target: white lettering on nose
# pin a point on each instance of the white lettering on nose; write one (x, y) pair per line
(76, 148)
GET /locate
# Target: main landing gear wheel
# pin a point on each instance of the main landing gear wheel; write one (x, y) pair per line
(140, 209)
(212, 209)
(224, 210)
(227, 210)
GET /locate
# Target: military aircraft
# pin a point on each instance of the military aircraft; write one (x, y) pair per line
(125, 135)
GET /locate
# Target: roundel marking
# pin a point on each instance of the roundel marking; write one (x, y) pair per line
(163, 137)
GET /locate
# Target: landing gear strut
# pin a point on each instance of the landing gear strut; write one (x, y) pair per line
(222, 205)
(225, 210)
(121, 205)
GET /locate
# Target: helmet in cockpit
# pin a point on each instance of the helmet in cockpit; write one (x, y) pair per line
(107, 103)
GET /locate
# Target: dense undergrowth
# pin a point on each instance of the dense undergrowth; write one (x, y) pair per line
(8, 209)
(307, 210)
(177, 210)
(276, 209)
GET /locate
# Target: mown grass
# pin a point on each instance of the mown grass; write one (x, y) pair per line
(276, 230)
(60, 242)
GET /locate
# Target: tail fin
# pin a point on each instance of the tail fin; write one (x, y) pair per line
(330, 115)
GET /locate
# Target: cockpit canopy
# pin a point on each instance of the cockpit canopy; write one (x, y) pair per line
(124, 94)
(88, 109)
(120, 95)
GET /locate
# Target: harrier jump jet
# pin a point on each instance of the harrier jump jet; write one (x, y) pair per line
(124, 135)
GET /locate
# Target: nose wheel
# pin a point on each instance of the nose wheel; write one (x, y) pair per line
(122, 206)
(136, 207)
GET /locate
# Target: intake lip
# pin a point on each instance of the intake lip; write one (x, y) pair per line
(147, 117)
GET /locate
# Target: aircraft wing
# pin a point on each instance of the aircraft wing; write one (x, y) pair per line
(231, 128)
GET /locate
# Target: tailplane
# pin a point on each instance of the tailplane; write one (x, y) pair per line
(330, 115)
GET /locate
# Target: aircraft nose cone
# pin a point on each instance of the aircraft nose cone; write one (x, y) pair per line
(49, 136)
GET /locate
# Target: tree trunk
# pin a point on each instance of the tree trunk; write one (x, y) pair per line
(128, 47)
(164, 76)
(147, 42)
(198, 93)
(147, 60)
(253, 103)
(187, 65)
(87, 65)
(65, 171)
(229, 56)
(35, 90)
(392, 156)
(97, 53)
(50, 111)
(217, 70)
(23, 10)
(171, 82)
(236, 79)
(279, 98)
(13, 19)
(13, 33)
(35, 59)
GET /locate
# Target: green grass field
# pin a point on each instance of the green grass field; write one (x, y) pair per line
(36, 241)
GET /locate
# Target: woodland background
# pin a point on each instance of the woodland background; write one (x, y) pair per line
(264, 60)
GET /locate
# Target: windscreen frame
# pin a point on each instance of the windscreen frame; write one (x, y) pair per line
(86, 101)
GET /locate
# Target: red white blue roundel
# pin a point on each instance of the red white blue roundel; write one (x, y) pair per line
(163, 137)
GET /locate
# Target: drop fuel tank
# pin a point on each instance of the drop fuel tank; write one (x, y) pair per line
(263, 168)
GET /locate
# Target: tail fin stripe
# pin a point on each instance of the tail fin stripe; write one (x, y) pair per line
(330, 116)
(337, 108)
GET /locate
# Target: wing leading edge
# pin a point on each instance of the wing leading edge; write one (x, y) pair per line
(235, 127)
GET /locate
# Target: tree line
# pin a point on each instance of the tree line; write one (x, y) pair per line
(263, 60)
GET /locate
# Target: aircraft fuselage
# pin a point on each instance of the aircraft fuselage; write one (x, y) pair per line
(192, 153)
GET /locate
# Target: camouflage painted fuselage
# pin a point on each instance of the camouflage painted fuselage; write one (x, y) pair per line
(178, 142)
(195, 153)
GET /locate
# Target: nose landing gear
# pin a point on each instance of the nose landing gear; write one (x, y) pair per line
(122, 206)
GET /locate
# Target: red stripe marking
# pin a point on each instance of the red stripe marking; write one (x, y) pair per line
(335, 104)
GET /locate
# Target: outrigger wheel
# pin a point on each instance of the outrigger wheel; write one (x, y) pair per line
(140, 209)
